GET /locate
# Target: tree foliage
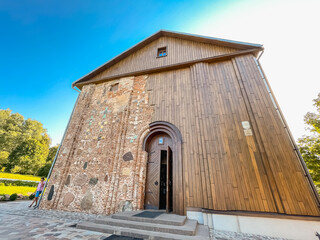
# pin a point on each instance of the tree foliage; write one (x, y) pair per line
(30, 155)
(43, 171)
(310, 145)
(24, 144)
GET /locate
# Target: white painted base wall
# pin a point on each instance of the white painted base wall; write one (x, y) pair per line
(273, 227)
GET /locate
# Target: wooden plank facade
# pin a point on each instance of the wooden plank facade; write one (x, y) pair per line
(223, 168)
(180, 51)
(224, 165)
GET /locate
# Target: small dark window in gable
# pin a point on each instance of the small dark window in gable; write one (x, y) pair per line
(114, 87)
(162, 52)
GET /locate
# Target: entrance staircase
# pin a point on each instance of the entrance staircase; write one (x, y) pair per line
(164, 226)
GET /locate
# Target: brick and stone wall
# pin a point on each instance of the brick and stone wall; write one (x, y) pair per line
(101, 165)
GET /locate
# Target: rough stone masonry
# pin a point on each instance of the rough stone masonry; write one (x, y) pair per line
(101, 165)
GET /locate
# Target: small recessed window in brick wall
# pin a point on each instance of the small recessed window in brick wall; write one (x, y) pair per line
(114, 87)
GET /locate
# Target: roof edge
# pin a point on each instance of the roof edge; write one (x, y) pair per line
(213, 38)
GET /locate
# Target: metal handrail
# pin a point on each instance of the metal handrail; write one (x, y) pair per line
(56, 156)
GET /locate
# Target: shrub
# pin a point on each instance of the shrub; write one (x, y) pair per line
(32, 195)
(13, 197)
(18, 183)
(16, 169)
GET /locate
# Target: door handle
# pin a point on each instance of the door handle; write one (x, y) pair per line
(156, 183)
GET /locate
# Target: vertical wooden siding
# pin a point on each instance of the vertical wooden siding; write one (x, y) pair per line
(178, 50)
(224, 169)
(295, 191)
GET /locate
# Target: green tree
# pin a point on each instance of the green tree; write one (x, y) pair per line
(43, 172)
(310, 145)
(24, 144)
(29, 156)
(10, 130)
(3, 159)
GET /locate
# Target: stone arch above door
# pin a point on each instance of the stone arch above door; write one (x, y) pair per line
(163, 127)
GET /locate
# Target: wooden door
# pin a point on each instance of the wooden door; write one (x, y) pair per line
(158, 143)
(153, 180)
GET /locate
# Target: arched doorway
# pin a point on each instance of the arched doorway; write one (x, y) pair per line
(163, 188)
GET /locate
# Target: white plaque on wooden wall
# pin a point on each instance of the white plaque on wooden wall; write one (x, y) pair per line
(246, 128)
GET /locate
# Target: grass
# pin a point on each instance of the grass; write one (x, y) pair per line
(16, 189)
(19, 176)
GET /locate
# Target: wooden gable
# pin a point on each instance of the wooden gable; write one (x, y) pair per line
(180, 48)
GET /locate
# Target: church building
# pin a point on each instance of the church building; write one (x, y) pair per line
(183, 123)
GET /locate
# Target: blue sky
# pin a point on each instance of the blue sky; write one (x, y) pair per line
(46, 45)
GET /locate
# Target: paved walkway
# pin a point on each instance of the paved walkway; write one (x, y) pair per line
(17, 221)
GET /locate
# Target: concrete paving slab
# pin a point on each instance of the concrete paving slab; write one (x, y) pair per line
(171, 219)
(138, 233)
(189, 228)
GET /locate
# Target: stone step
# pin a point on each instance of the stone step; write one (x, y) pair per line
(188, 229)
(202, 232)
(168, 219)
